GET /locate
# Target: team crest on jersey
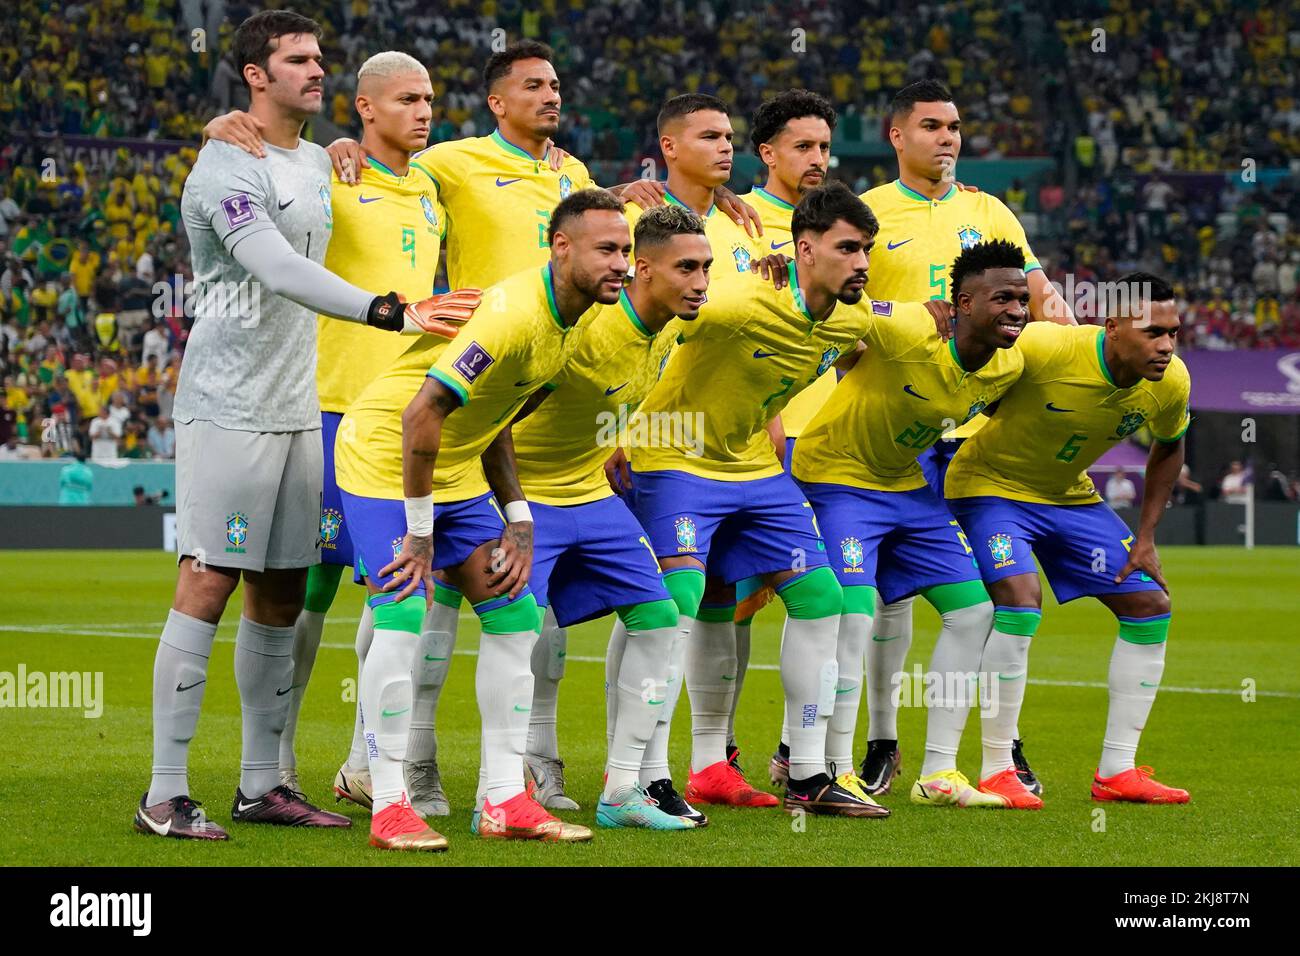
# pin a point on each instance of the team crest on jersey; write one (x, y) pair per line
(973, 411)
(566, 186)
(331, 523)
(429, 214)
(236, 532)
(882, 308)
(968, 236)
(1130, 423)
(851, 551)
(328, 207)
(1000, 548)
(828, 359)
(685, 526)
(742, 257)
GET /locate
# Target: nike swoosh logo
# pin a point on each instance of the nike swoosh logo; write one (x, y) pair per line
(428, 658)
(286, 205)
(895, 245)
(759, 353)
(281, 693)
(180, 689)
(845, 690)
(393, 713)
(885, 640)
(506, 182)
(914, 393)
(725, 677)
(654, 703)
(1148, 683)
(521, 710)
(247, 806)
(371, 199)
(162, 829)
(1010, 676)
(778, 245)
(611, 391)
(522, 384)
(946, 788)
(1053, 408)
(562, 654)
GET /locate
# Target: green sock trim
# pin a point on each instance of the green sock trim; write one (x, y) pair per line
(405, 615)
(812, 595)
(954, 597)
(648, 615)
(686, 585)
(322, 585)
(860, 599)
(716, 613)
(1144, 630)
(519, 615)
(447, 597)
(1020, 621)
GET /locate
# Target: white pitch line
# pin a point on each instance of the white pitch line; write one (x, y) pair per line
(108, 630)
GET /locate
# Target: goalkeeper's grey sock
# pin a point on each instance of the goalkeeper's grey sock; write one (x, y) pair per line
(180, 674)
(306, 642)
(264, 674)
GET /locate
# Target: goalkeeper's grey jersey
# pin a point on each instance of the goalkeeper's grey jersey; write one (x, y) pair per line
(250, 362)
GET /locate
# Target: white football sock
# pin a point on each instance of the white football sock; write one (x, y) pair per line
(785, 719)
(743, 637)
(503, 683)
(955, 667)
(180, 675)
(710, 685)
(547, 664)
(655, 764)
(891, 639)
(641, 688)
(614, 661)
(263, 673)
(1135, 671)
(1005, 665)
(386, 706)
(357, 756)
(809, 675)
(307, 632)
(429, 667)
(851, 646)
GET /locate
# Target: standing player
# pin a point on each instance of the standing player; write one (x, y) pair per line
(887, 529)
(591, 555)
(1021, 491)
(726, 504)
(248, 453)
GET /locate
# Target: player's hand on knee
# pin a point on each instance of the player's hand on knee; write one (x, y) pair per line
(349, 158)
(238, 129)
(617, 472)
(442, 314)
(942, 313)
(1143, 557)
(412, 566)
(512, 559)
(773, 268)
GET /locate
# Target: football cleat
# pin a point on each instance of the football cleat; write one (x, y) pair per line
(669, 801)
(548, 774)
(353, 785)
(1008, 785)
(824, 797)
(778, 768)
(733, 758)
(722, 783)
(473, 821)
(523, 818)
(399, 827)
(880, 766)
(1136, 786)
(1031, 782)
(289, 778)
(633, 808)
(950, 788)
(424, 785)
(851, 782)
(178, 817)
(283, 807)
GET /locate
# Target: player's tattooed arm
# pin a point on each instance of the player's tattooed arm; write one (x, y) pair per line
(239, 129)
(1164, 462)
(499, 468)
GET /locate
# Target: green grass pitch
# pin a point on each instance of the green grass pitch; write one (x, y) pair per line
(71, 783)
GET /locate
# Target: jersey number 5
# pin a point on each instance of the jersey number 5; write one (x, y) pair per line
(939, 280)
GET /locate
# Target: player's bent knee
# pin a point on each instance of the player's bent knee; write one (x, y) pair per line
(648, 615)
(946, 598)
(514, 617)
(393, 615)
(322, 586)
(686, 586)
(859, 599)
(811, 595)
(1020, 621)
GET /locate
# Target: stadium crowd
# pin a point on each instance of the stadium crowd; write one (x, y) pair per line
(84, 239)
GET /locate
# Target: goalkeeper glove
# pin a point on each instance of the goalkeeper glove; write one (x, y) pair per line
(443, 314)
(386, 312)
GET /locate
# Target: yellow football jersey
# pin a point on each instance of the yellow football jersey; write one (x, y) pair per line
(906, 390)
(501, 356)
(1060, 417)
(499, 202)
(561, 448)
(775, 214)
(733, 248)
(750, 351)
(387, 234)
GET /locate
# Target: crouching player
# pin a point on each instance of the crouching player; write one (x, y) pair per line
(1021, 491)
